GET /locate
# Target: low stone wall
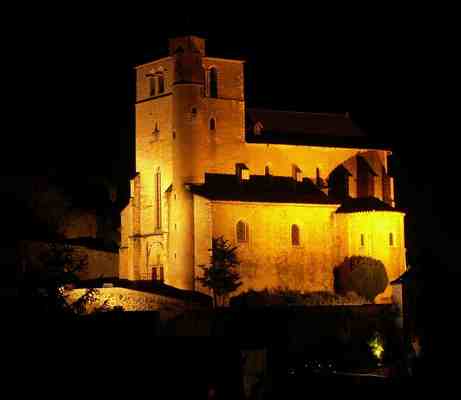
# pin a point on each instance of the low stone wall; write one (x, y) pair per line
(131, 300)
(100, 262)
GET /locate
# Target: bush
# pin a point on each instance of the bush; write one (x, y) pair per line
(363, 275)
(284, 297)
(332, 299)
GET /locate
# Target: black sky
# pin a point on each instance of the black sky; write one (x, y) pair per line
(72, 69)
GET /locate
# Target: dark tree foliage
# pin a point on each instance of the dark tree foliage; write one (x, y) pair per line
(60, 265)
(221, 275)
(365, 276)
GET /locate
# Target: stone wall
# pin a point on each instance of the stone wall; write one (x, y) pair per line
(202, 237)
(269, 259)
(100, 262)
(375, 226)
(132, 300)
(230, 77)
(143, 72)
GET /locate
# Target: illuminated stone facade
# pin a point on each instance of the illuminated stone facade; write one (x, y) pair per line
(308, 188)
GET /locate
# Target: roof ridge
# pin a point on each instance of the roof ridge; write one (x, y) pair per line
(299, 112)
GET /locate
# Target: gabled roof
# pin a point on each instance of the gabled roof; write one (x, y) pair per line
(307, 128)
(260, 188)
(363, 165)
(352, 205)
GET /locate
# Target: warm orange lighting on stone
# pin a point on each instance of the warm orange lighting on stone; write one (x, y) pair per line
(183, 149)
(128, 299)
(376, 226)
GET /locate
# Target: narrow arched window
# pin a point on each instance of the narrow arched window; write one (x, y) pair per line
(158, 200)
(295, 235)
(212, 124)
(242, 232)
(152, 85)
(267, 170)
(213, 82)
(296, 173)
(156, 132)
(161, 82)
(257, 128)
(391, 239)
(362, 239)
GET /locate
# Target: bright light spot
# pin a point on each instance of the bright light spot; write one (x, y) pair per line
(376, 344)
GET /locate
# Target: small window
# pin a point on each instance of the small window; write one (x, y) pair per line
(156, 132)
(295, 235)
(161, 82)
(391, 239)
(242, 232)
(296, 173)
(158, 200)
(242, 171)
(257, 128)
(212, 124)
(131, 188)
(268, 170)
(213, 83)
(152, 85)
(194, 111)
(362, 240)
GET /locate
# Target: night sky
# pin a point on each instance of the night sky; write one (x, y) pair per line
(74, 80)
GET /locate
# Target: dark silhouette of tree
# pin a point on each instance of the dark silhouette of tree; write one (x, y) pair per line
(221, 275)
(45, 283)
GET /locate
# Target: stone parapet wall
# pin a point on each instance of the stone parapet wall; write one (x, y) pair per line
(132, 300)
(100, 262)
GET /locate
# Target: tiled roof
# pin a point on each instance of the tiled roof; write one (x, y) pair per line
(303, 128)
(351, 205)
(258, 188)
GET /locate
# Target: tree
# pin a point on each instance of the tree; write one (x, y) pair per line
(59, 266)
(365, 276)
(221, 275)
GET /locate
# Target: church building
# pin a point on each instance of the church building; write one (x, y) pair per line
(297, 192)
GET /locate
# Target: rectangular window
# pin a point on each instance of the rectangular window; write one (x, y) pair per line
(362, 240)
(242, 232)
(391, 239)
(158, 201)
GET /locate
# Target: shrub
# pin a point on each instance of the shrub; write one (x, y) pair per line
(365, 276)
(332, 299)
(284, 297)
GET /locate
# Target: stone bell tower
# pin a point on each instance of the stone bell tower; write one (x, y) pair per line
(187, 106)
(188, 134)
